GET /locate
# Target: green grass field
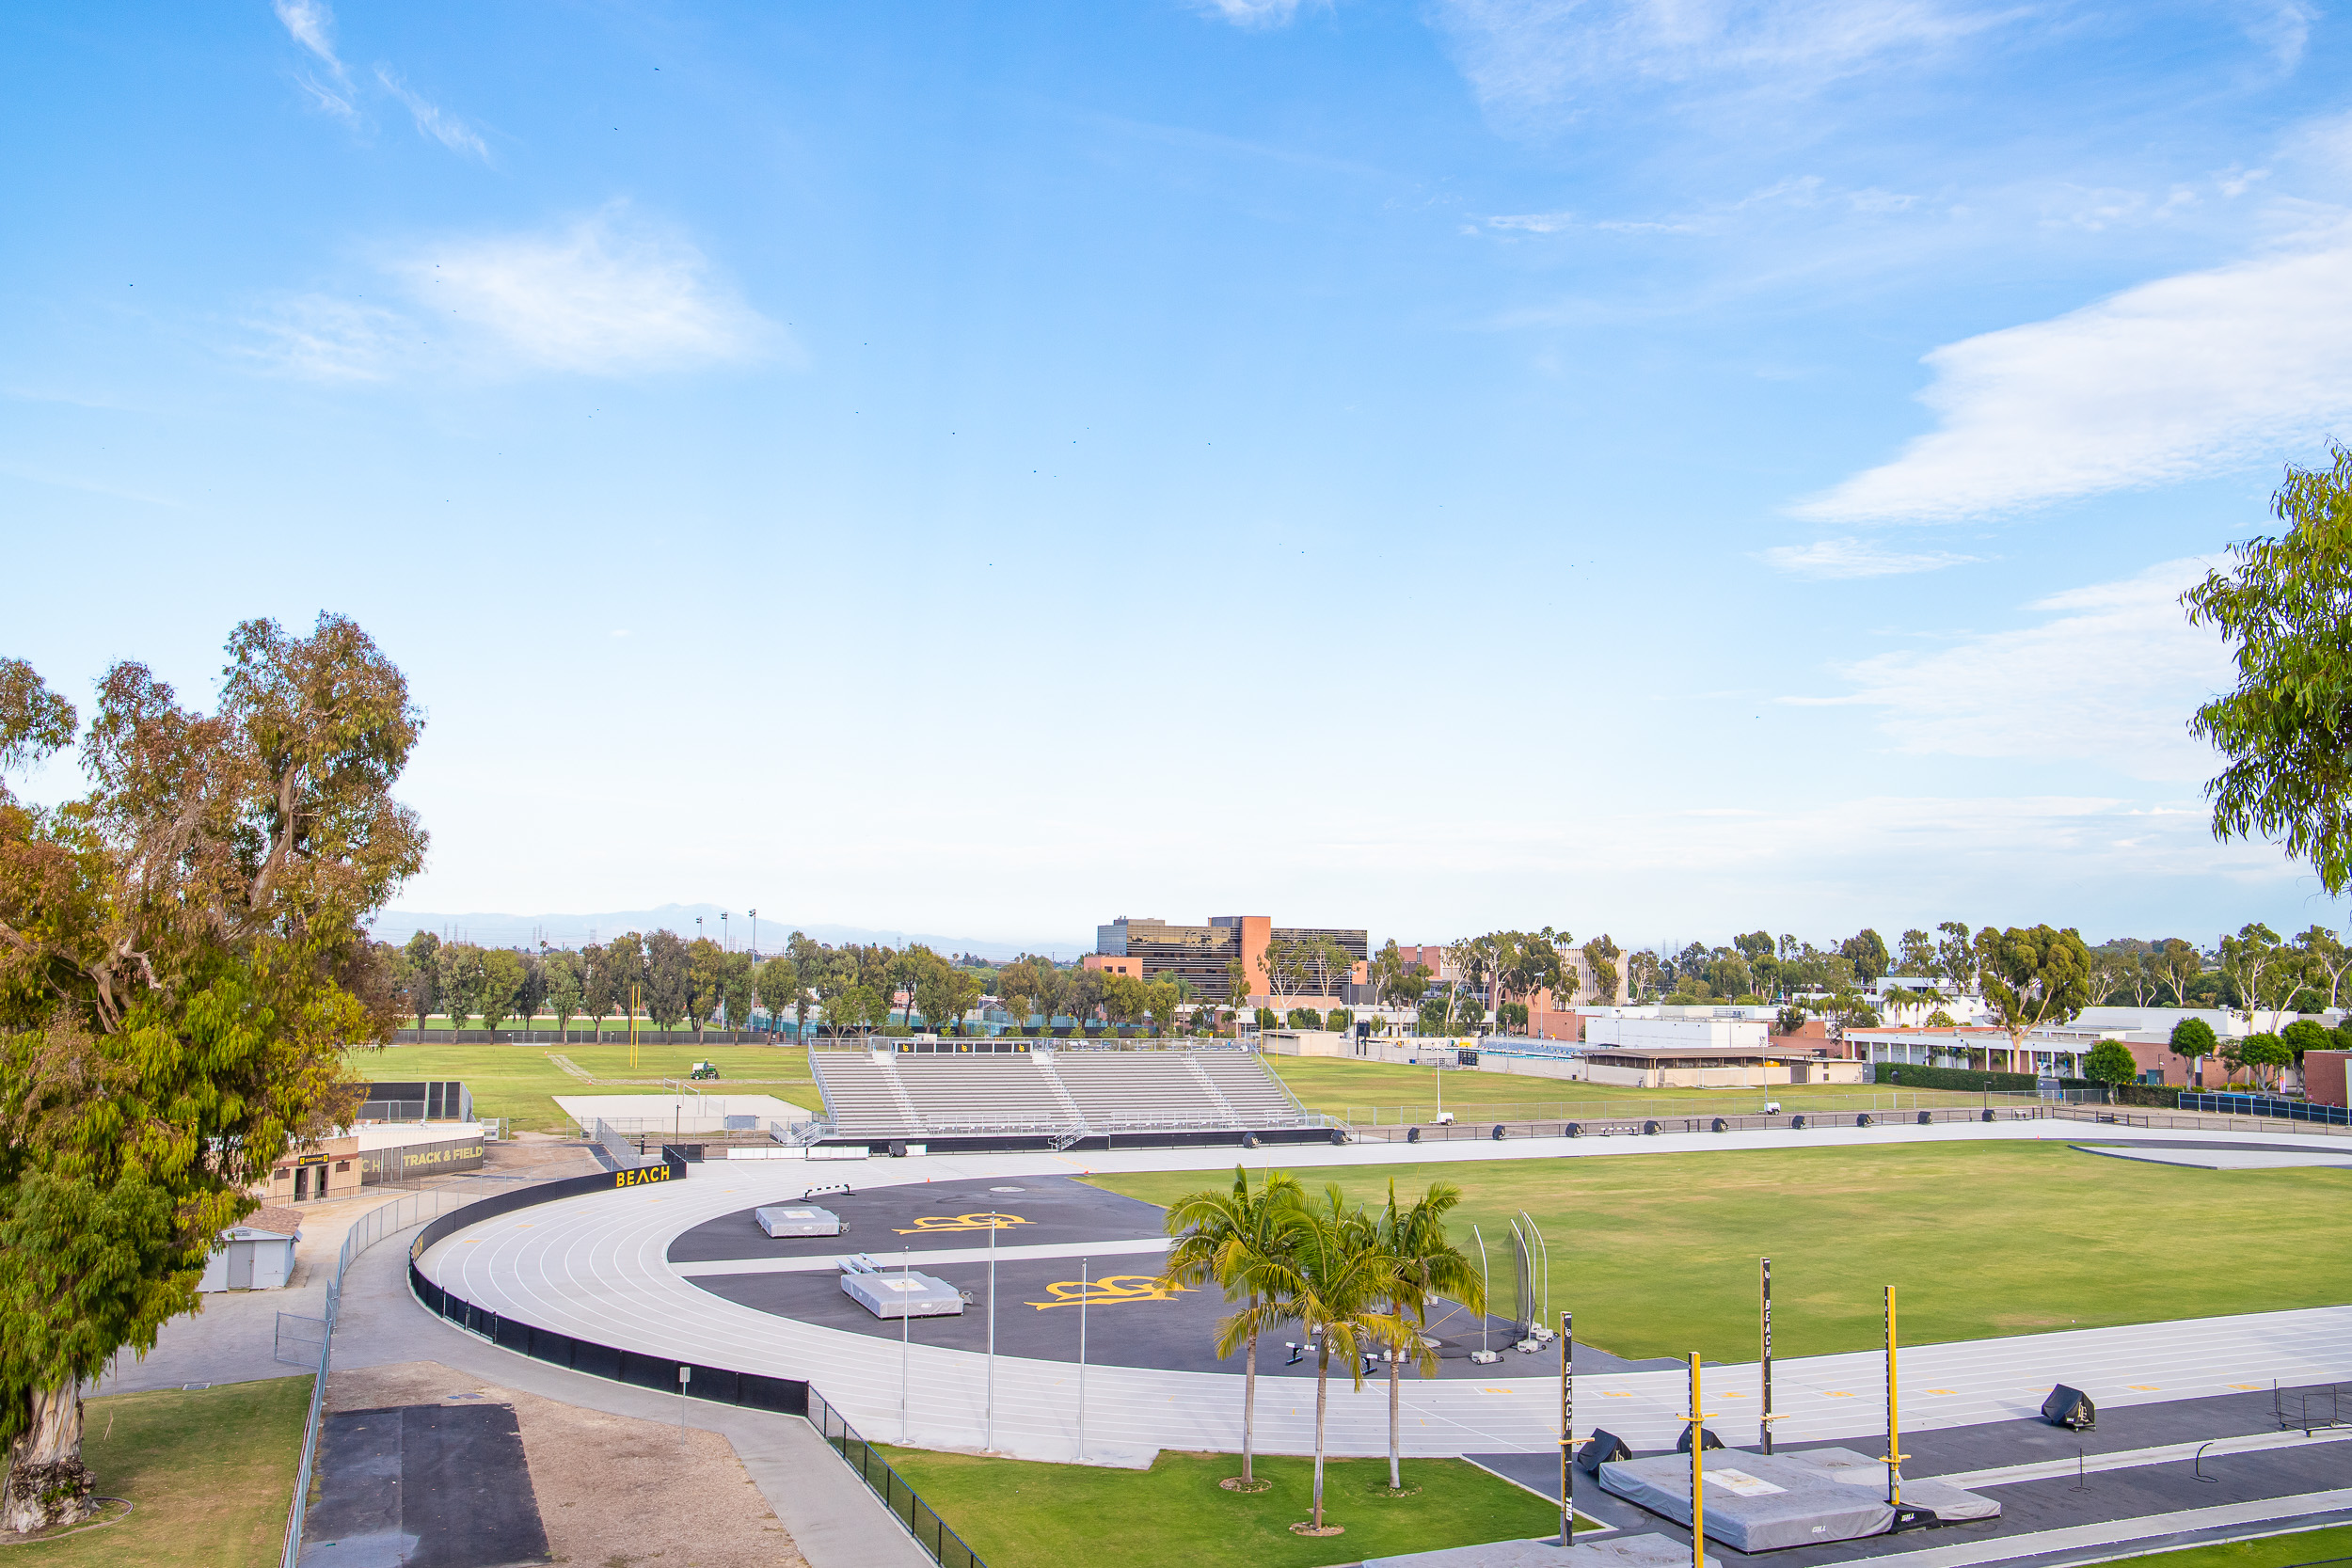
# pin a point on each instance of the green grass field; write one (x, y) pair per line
(1359, 1090)
(519, 1081)
(2297, 1550)
(209, 1473)
(1175, 1515)
(1657, 1254)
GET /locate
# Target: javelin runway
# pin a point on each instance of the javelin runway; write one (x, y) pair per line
(667, 1270)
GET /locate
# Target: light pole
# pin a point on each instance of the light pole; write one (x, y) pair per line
(906, 1268)
(1082, 1288)
(755, 914)
(988, 1445)
(722, 930)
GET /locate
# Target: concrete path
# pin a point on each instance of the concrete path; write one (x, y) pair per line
(596, 1267)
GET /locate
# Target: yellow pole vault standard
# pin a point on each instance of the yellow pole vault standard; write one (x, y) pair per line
(634, 1002)
(1699, 1415)
(1895, 1454)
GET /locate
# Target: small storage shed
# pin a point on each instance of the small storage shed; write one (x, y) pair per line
(258, 1255)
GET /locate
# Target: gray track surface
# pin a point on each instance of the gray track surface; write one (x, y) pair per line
(599, 1267)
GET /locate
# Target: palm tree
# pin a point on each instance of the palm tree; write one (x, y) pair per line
(1236, 1238)
(1426, 1264)
(1334, 1278)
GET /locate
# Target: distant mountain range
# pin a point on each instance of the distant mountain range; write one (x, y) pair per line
(573, 930)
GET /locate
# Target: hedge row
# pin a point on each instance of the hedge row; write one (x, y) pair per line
(1912, 1076)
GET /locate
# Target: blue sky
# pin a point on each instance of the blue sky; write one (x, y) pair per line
(1661, 468)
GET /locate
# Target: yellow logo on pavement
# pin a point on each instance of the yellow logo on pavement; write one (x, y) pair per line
(1111, 1290)
(931, 1223)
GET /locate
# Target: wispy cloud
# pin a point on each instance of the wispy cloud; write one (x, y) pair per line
(1807, 193)
(2167, 381)
(1833, 559)
(2110, 674)
(1253, 13)
(1532, 56)
(432, 119)
(605, 296)
(312, 26)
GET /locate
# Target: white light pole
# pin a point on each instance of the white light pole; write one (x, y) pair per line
(906, 1266)
(989, 1444)
(1082, 1357)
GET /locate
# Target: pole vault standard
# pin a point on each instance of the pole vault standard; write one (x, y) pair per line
(1766, 1323)
(1699, 1415)
(1895, 1454)
(1567, 1430)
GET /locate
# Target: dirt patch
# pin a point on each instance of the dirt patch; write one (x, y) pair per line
(613, 1491)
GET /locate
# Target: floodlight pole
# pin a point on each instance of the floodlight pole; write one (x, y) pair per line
(1567, 1430)
(1484, 1280)
(989, 1444)
(1894, 1414)
(906, 1284)
(1082, 1288)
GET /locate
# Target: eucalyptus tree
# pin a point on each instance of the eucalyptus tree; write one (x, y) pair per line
(1238, 1238)
(2280, 608)
(566, 989)
(184, 960)
(2032, 978)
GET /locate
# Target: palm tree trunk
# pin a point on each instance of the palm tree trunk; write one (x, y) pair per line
(1322, 1400)
(1249, 1404)
(1396, 1482)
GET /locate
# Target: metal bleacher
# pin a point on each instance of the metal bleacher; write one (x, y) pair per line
(1060, 1098)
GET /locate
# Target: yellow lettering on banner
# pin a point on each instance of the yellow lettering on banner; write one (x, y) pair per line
(639, 1178)
(1108, 1291)
(931, 1222)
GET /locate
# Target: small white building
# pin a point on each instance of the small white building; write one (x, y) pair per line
(257, 1255)
(1656, 1034)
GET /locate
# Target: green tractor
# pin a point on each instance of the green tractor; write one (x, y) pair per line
(705, 1070)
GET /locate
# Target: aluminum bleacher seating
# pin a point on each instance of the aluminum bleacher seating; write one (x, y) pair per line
(1059, 1094)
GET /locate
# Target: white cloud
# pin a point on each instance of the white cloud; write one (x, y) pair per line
(312, 26)
(323, 338)
(2167, 381)
(1254, 13)
(2110, 676)
(432, 119)
(1835, 559)
(1532, 55)
(598, 298)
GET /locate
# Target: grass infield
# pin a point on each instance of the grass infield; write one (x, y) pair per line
(1017, 1515)
(519, 1081)
(1657, 1254)
(1356, 1089)
(2272, 1551)
(210, 1472)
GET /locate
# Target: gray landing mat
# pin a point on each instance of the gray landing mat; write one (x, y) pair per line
(423, 1486)
(1600, 1551)
(1760, 1503)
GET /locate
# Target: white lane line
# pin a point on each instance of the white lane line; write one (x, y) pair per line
(890, 1259)
(2074, 1537)
(2132, 1459)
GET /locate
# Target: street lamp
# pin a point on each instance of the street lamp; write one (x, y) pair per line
(754, 933)
(722, 930)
